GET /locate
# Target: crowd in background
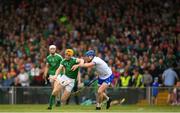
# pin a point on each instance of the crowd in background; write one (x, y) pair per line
(139, 39)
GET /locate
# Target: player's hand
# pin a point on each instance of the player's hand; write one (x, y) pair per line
(74, 67)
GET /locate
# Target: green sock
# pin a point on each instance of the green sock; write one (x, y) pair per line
(51, 100)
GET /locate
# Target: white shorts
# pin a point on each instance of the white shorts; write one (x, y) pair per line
(67, 82)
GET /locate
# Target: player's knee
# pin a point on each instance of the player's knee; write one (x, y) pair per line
(100, 92)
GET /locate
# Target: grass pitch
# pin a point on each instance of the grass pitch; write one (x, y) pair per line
(91, 109)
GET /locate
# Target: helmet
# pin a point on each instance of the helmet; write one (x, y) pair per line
(69, 52)
(90, 53)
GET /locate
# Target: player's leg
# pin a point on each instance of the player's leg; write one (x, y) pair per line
(67, 91)
(105, 96)
(65, 96)
(51, 99)
(101, 94)
(57, 88)
(58, 95)
(106, 83)
(169, 99)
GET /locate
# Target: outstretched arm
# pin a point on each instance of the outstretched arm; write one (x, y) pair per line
(86, 65)
(80, 62)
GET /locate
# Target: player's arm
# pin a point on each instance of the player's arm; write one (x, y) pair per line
(80, 62)
(90, 64)
(177, 77)
(46, 70)
(58, 71)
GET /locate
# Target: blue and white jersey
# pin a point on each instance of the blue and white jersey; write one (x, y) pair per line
(102, 68)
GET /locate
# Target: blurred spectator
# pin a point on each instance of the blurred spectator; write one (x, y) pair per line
(35, 71)
(9, 80)
(116, 76)
(86, 80)
(176, 94)
(1, 80)
(37, 78)
(155, 86)
(161, 66)
(124, 33)
(169, 76)
(22, 78)
(137, 79)
(28, 66)
(147, 78)
(125, 79)
(12, 72)
(154, 71)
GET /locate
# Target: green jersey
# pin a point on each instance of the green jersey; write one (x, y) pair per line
(54, 62)
(68, 64)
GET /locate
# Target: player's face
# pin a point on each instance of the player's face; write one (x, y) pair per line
(87, 59)
(52, 50)
(67, 56)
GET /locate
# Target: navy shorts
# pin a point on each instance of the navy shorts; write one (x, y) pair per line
(108, 80)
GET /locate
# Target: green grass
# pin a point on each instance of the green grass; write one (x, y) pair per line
(79, 108)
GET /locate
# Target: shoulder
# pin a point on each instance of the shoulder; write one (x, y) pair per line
(96, 59)
(73, 59)
(49, 56)
(58, 55)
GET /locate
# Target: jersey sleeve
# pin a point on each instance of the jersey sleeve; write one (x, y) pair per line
(47, 61)
(62, 62)
(75, 60)
(95, 61)
(60, 58)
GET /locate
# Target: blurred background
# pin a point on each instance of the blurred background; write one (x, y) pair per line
(139, 39)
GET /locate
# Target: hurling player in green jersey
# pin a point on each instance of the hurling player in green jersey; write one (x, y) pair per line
(67, 80)
(53, 61)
